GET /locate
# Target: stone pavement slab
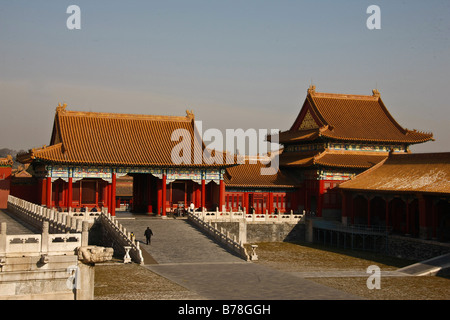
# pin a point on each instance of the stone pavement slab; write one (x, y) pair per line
(246, 281)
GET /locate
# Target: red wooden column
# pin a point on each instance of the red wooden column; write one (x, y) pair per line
(352, 209)
(49, 193)
(271, 203)
(221, 195)
(108, 196)
(434, 219)
(41, 190)
(159, 199)
(105, 194)
(387, 211)
(69, 193)
(203, 193)
(344, 208)
(113, 195)
(149, 194)
(368, 210)
(423, 227)
(407, 216)
(198, 195)
(246, 205)
(194, 193)
(320, 198)
(164, 195)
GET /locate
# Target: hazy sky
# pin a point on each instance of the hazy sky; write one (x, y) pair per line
(236, 64)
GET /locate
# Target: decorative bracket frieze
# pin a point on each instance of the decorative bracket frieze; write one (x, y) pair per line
(105, 173)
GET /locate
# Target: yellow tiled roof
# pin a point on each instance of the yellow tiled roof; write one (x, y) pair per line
(330, 158)
(419, 172)
(92, 138)
(249, 175)
(350, 118)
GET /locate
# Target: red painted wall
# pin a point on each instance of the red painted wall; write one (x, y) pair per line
(5, 185)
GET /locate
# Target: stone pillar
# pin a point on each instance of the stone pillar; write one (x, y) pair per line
(3, 238)
(84, 289)
(85, 234)
(45, 237)
(243, 232)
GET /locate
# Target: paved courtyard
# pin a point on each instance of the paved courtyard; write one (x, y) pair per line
(183, 264)
(189, 258)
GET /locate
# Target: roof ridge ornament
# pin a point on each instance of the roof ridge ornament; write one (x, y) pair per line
(190, 114)
(376, 93)
(312, 89)
(61, 108)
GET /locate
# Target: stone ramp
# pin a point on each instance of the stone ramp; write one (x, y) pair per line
(15, 226)
(174, 241)
(428, 267)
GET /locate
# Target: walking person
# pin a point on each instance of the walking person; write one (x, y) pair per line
(148, 235)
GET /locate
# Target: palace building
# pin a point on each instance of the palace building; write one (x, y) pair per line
(331, 157)
(334, 138)
(247, 188)
(409, 193)
(88, 151)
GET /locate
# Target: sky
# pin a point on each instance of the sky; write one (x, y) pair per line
(235, 64)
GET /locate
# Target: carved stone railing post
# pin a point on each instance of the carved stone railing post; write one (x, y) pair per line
(127, 258)
(254, 256)
(2, 239)
(85, 234)
(45, 237)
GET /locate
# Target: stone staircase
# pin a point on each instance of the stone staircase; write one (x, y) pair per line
(175, 241)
